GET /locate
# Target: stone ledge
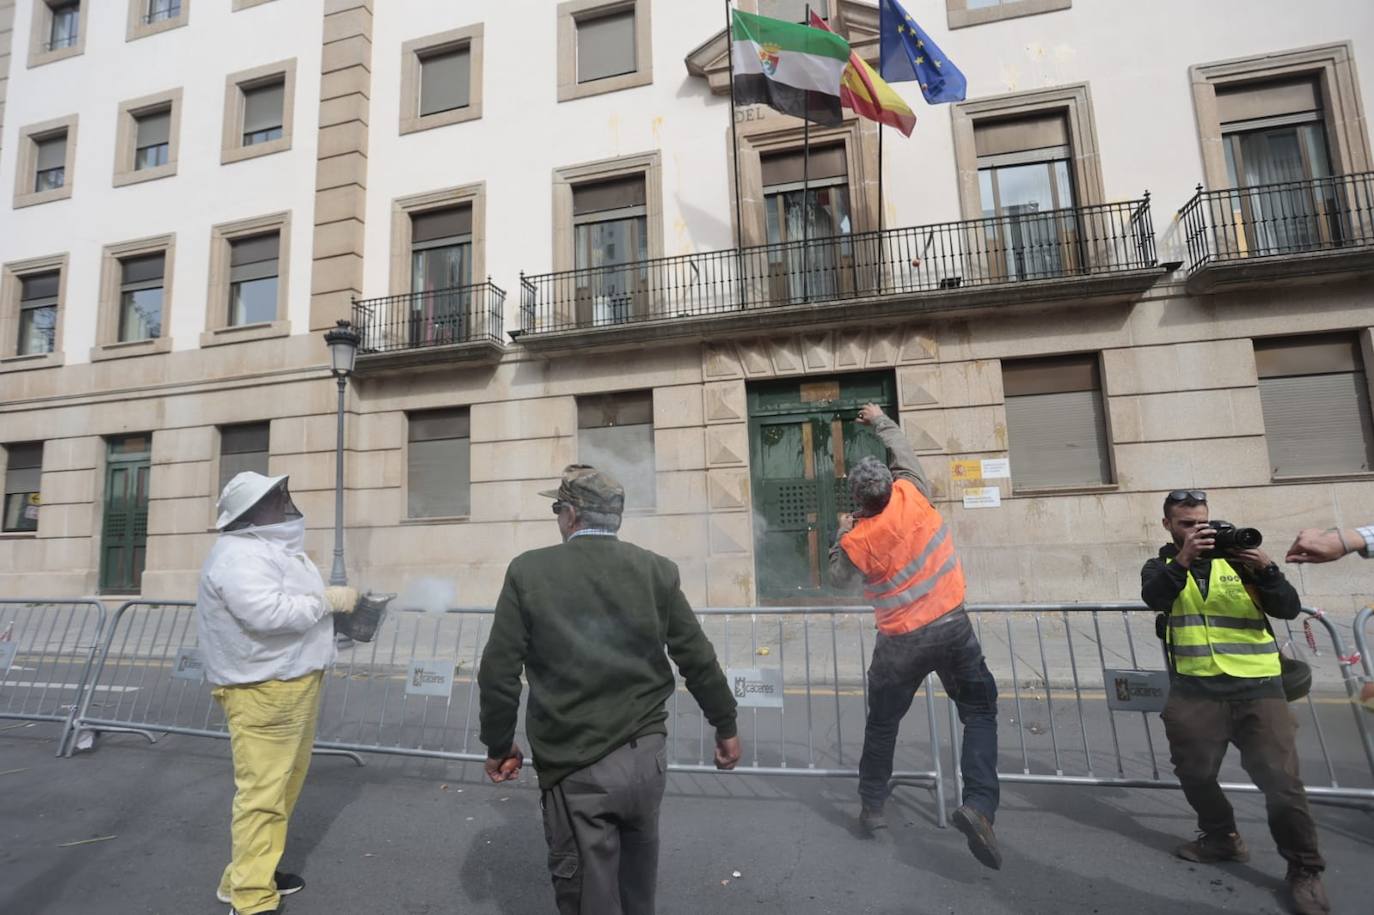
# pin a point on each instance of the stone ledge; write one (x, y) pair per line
(1249, 272)
(477, 352)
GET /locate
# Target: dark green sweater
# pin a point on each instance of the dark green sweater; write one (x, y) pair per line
(588, 621)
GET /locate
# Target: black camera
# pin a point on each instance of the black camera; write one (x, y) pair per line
(1229, 538)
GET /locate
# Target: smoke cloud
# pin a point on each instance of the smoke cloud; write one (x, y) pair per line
(432, 595)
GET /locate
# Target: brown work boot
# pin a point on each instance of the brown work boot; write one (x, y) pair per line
(871, 819)
(1309, 895)
(1210, 848)
(977, 829)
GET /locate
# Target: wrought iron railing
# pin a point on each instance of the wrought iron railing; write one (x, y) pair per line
(1286, 217)
(1013, 248)
(437, 317)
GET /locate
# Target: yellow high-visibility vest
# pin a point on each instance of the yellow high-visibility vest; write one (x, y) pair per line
(1224, 634)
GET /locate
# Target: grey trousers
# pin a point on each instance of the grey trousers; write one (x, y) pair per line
(601, 824)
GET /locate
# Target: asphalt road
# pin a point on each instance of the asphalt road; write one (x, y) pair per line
(424, 836)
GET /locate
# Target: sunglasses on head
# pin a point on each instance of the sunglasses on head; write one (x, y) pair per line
(1187, 495)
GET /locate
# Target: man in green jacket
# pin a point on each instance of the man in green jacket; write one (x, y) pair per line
(588, 622)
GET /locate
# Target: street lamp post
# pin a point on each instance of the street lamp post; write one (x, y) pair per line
(342, 340)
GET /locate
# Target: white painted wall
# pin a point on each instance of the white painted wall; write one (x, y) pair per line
(203, 193)
(1134, 55)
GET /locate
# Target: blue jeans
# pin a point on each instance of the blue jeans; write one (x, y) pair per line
(950, 648)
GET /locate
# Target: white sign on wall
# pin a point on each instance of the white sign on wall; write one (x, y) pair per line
(983, 497)
(996, 468)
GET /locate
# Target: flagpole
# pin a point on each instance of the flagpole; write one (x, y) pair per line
(734, 152)
(882, 206)
(806, 190)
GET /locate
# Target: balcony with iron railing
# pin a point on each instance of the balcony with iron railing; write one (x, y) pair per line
(1317, 227)
(1083, 253)
(463, 324)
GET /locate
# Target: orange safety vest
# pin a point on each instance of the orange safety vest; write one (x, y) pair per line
(911, 573)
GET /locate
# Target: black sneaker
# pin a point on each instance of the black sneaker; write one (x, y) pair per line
(981, 840)
(286, 885)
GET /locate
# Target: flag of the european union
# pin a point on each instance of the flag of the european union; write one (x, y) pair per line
(906, 53)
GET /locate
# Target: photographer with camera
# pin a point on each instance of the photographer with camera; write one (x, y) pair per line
(1213, 586)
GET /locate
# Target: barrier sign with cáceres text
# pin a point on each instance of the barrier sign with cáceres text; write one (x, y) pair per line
(1136, 690)
(755, 687)
(429, 678)
(189, 665)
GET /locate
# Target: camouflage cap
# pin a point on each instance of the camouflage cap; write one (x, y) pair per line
(590, 489)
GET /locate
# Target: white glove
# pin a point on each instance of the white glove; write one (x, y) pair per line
(341, 598)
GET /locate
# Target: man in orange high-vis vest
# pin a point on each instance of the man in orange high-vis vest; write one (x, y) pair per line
(900, 547)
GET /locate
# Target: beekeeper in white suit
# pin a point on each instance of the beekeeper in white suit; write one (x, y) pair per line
(266, 636)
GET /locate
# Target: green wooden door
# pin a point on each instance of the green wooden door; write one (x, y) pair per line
(124, 530)
(803, 439)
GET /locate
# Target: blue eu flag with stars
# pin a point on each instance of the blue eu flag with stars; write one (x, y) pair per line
(906, 53)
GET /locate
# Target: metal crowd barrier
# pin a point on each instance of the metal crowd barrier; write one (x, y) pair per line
(1081, 686)
(46, 651)
(1363, 621)
(1362, 639)
(149, 679)
(798, 673)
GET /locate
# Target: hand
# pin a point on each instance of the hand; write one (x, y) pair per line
(341, 598)
(506, 768)
(728, 752)
(1313, 545)
(846, 523)
(870, 413)
(1196, 542)
(1255, 560)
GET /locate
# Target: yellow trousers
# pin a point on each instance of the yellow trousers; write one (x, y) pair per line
(271, 729)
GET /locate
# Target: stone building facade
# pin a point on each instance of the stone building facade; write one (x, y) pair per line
(567, 170)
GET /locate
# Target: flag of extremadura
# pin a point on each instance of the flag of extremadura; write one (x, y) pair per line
(791, 67)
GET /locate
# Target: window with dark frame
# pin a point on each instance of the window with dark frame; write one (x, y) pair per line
(615, 433)
(1056, 422)
(23, 483)
(66, 22)
(1025, 178)
(438, 464)
(162, 10)
(262, 111)
(253, 271)
(1315, 396)
(440, 275)
(243, 447)
(50, 169)
(825, 267)
(141, 296)
(445, 79)
(38, 313)
(152, 138)
(605, 44)
(793, 10)
(610, 237)
(1274, 138)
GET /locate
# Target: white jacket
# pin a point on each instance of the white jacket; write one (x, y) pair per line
(261, 610)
